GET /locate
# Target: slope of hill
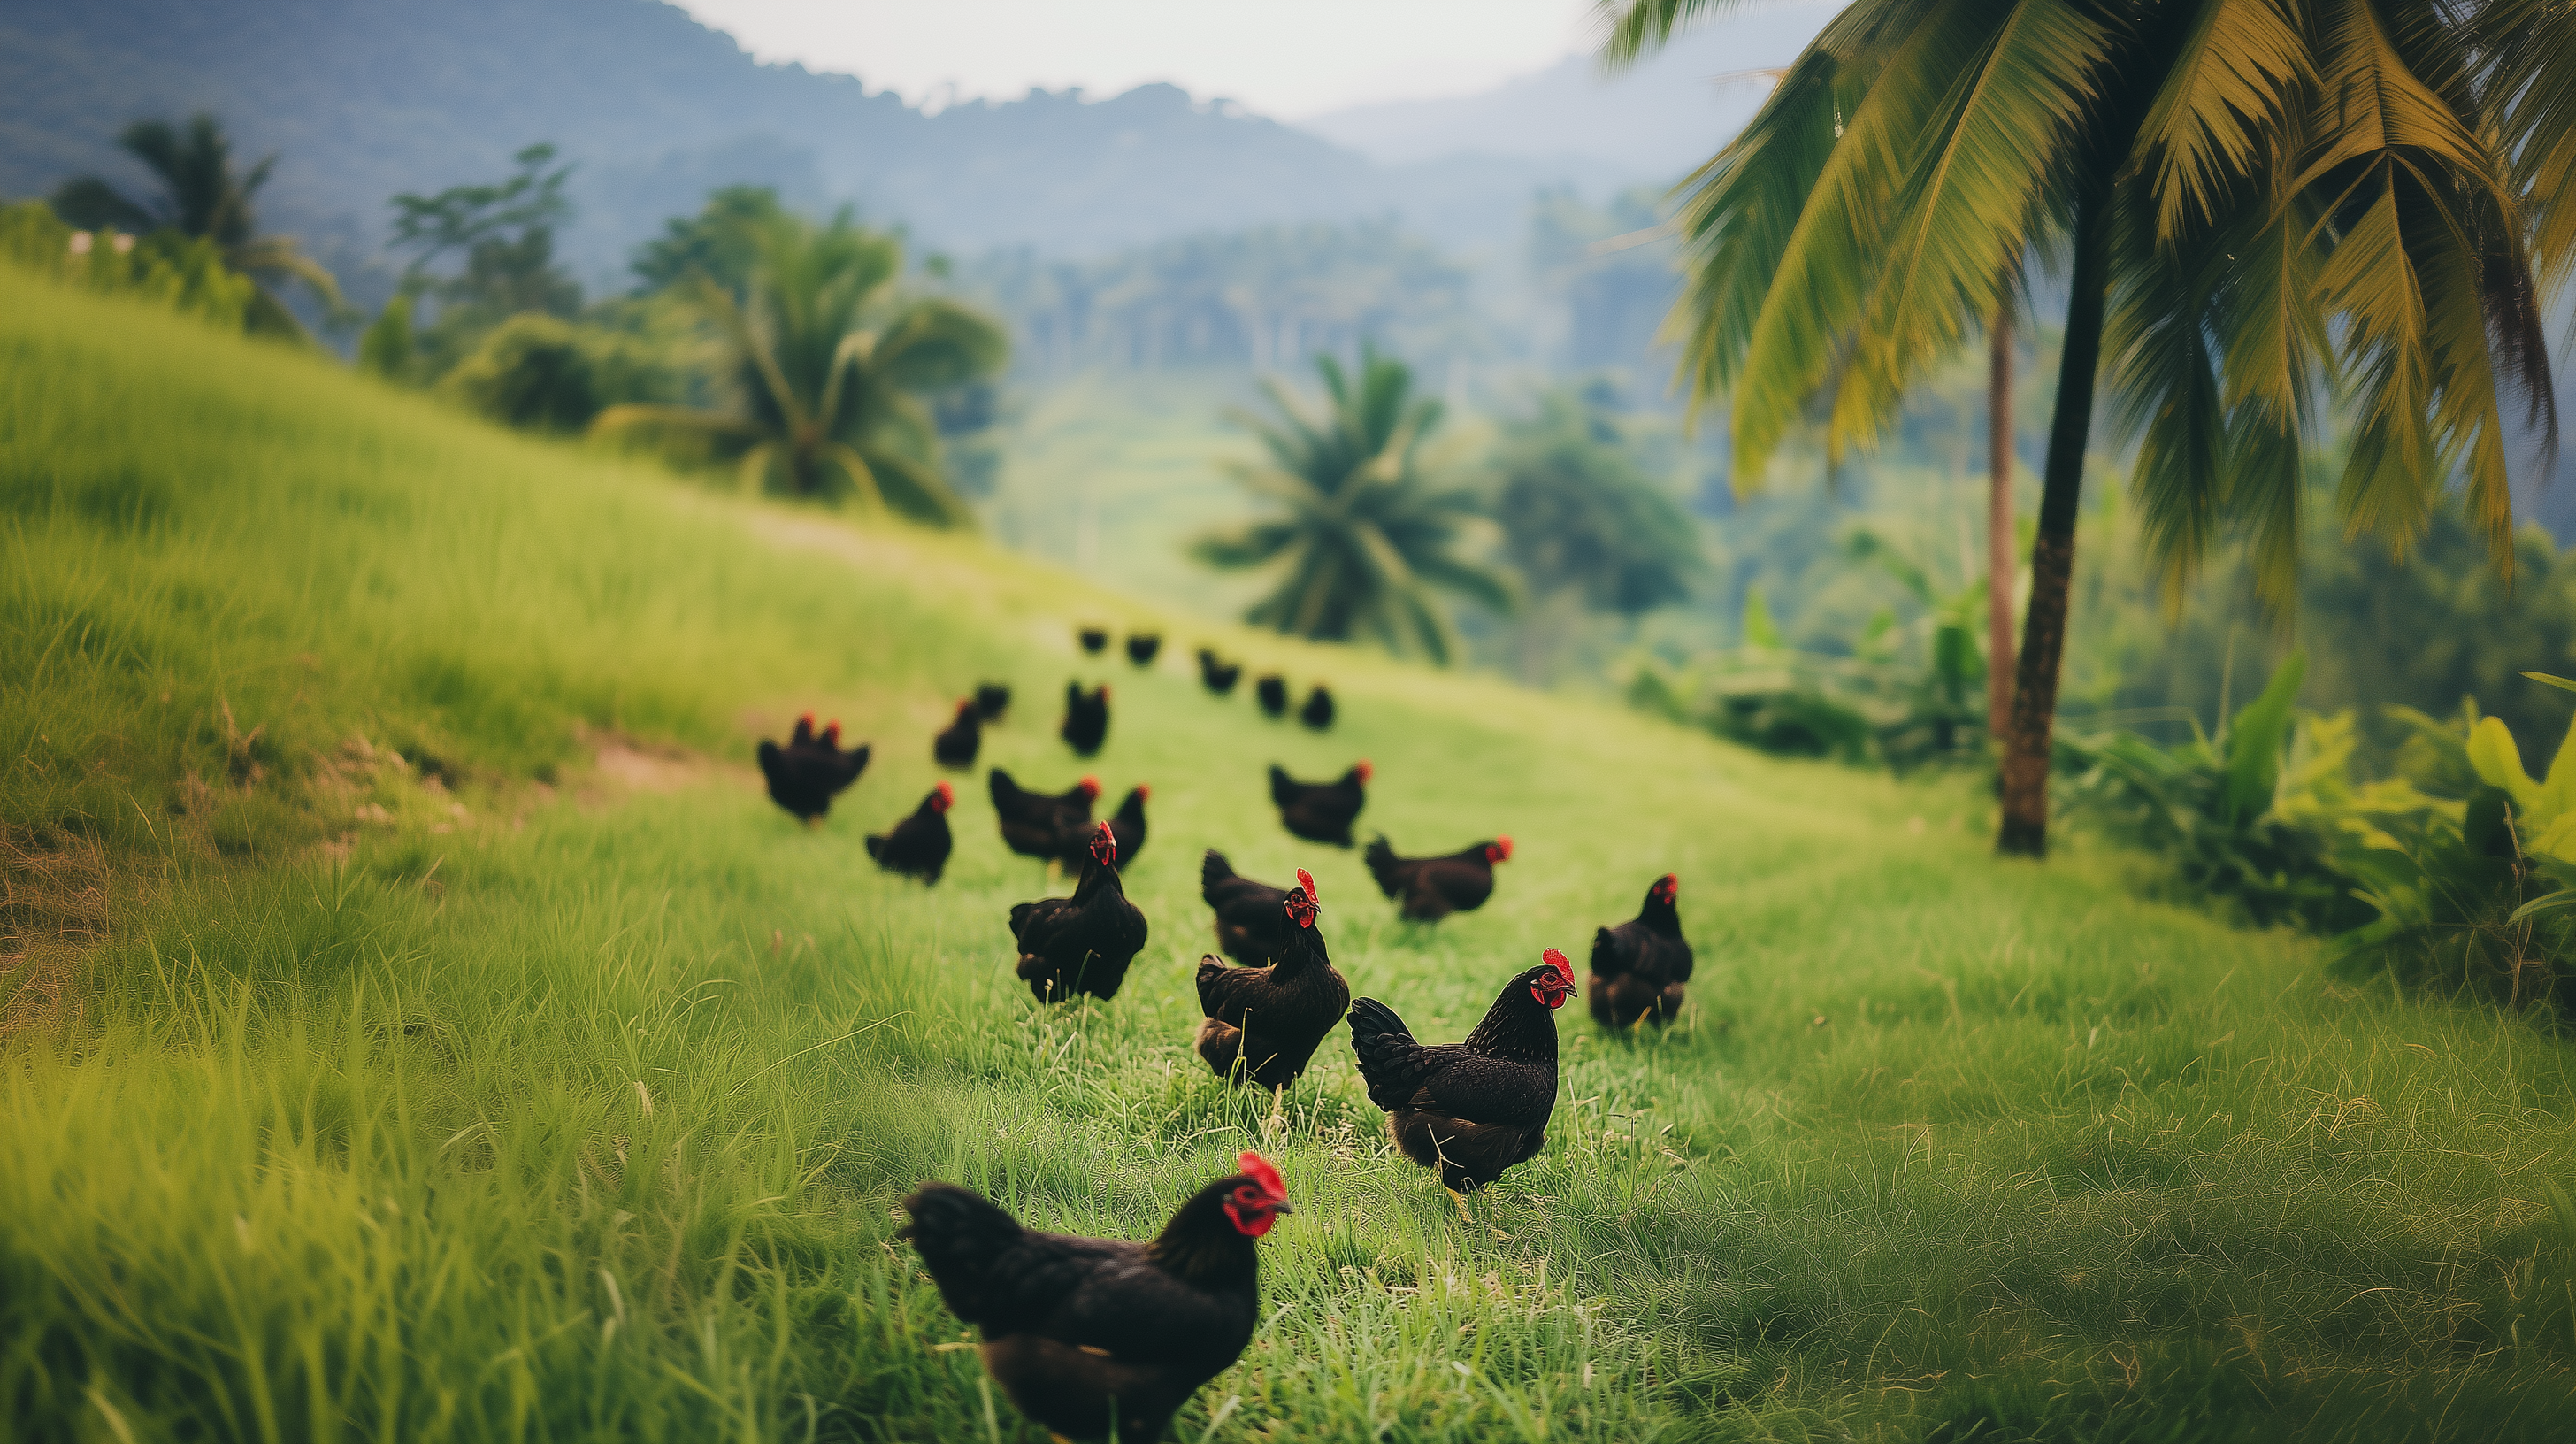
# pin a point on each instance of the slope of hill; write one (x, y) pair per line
(364, 98)
(488, 1059)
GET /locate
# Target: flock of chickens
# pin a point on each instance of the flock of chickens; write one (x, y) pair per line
(1093, 1337)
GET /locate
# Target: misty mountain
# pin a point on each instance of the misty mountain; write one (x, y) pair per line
(365, 98)
(1653, 123)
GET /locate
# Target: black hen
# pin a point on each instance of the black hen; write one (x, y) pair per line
(1475, 1108)
(1127, 825)
(805, 774)
(1431, 888)
(1046, 826)
(1085, 1334)
(958, 742)
(1093, 639)
(1082, 943)
(1321, 811)
(1263, 1024)
(1638, 967)
(992, 699)
(1086, 718)
(1318, 711)
(919, 845)
(1218, 677)
(1142, 646)
(1250, 928)
(1272, 692)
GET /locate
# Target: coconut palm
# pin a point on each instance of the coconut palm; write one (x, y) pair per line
(202, 195)
(2256, 198)
(826, 361)
(1365, 539)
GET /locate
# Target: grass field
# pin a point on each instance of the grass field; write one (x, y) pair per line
(423, 1029)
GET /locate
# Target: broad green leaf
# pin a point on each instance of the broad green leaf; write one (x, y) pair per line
(2498, 763)
(1759, 629)
(2255, 739)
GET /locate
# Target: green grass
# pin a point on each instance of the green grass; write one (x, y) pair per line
(580, 1113)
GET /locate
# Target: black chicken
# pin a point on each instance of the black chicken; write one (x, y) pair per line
(919, 845)
(1263, 1024)
(957, 743)
(1318, 711)
(1475, 1108)
(1046, 826)
(1321, 811)
(1086, 1334)
(1086, 718)
(1093, 639)
(1272, 692)
(805, 774)
(1127, 825)
(1082, 943)
(1431, 888)
(1142, 646)
(1250, 928)
(1638, 967)
(992, 699)
(1218, 677)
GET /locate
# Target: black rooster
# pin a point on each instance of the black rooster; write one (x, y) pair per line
(1082, 943)
(1141, 647)
(957, 743)
(1218, 677)
(1318, 711)
(1263, 1024)
(1431, 888)
(1638, 967)
(919, 845)
(1086, 718)
(1087, 1334)
(1272, 692)
(1250, 928)
(1321, 811)
(992, 699)
(1475, 1108)
(804, 775)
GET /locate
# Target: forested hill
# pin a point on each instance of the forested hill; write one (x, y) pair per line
(365, 98)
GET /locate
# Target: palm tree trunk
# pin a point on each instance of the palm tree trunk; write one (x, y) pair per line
(1999, 528)
(2052, 553)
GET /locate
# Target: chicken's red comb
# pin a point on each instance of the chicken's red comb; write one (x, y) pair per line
(1364, 770)
(1556, 960)
(1306, 880)
(807, 719)
(1145, 790)
(1260, 1171)
(1505, 843)
(1090, 785)
(947, 796)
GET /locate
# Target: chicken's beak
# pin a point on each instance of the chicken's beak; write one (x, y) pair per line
(1282, 1206)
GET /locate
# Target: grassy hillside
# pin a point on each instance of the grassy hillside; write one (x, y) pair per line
(422, 1027)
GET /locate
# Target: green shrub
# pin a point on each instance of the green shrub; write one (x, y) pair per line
(540, 373)
(2246, 817)
(186, 274)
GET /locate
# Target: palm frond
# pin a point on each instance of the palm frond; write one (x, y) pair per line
(2228, 93)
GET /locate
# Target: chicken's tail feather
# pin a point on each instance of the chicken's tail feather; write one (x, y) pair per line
(1389, 1058)
(958, 1233)
(876, 846)
(1283, 788)
(1214, 869)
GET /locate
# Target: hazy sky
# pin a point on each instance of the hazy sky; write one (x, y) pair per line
(1284, 58)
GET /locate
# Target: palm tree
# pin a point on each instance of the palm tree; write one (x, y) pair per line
(827, 361)
(1365, 538)
(202, 196)
(2257, 198)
